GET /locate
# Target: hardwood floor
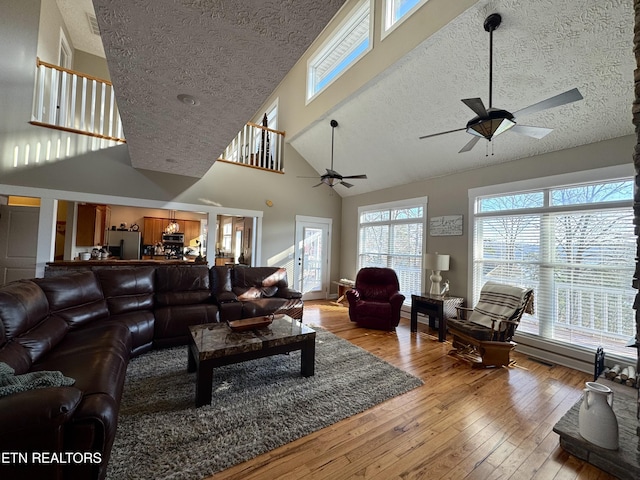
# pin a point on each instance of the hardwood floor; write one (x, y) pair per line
(461, 424)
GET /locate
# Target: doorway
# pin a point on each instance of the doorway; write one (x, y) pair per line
(312, 253)
(18, 242)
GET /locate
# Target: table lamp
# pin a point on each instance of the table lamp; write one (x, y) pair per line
(436, 263)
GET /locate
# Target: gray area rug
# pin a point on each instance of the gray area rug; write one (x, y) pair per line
(257, 406)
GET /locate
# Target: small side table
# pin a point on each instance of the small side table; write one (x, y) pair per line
(342, 289)
(435, 307)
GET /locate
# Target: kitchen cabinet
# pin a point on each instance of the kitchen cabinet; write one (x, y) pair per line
(91, 224)
(153, 228)
(191, 229)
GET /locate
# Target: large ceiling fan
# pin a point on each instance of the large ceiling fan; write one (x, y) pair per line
(491, 122)
(333, 178)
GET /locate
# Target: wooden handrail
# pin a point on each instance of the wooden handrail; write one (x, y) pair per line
(249, 166)
(279, 132)
(75, 130)
(72, 72)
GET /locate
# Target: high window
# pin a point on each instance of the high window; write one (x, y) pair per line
(398, 10)
(349, 43)
(392, 235)
(575, 246)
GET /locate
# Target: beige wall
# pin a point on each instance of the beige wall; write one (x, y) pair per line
(49, 32)
(449, 196)
(90, 64)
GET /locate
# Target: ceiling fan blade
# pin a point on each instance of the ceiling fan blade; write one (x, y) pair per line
(569, 96)
(333, 173)
(442, 133)
(476, 105)
(470, 144)
(348, 185)
(317, 185)
(356, 176)
(534, 132)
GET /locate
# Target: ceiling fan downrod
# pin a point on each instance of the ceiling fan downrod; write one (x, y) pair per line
(333, 124)
(492, 22)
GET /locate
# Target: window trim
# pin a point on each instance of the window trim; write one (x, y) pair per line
(573, 356)
(386, 11)
(330, 43)
(409, 202)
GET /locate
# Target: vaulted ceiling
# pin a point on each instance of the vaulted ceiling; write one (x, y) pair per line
(230, 56)
(541, 49)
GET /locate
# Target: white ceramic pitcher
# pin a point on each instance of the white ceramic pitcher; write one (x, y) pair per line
(596, 421)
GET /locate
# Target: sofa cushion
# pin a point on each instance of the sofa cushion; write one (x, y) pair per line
(127, 289)
(172, 323)
(41, 339)
(259, 277)
(182, 285)
(23, 305)
(76, 297)
(250, 293)
(479, 332)
(220, 280)
(141, 325)
(24, 309)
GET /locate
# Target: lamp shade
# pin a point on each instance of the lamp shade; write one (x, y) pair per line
(437, 262)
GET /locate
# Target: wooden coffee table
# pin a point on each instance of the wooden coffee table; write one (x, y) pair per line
(215, 344)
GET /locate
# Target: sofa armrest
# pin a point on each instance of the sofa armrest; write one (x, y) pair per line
(40, 409)
(287, 292)
(463, 312)
(397, 299)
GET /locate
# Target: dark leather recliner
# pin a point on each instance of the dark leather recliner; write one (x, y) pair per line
(375, 300)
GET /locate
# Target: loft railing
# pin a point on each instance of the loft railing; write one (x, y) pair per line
(258, 147)
(74, 102)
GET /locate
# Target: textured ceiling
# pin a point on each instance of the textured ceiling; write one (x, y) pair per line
(542, 48)
(229, 54)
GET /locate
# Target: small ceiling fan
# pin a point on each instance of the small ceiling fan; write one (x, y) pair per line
(333, 178)
(491, 122)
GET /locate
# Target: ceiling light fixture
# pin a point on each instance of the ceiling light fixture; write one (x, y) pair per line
(188, 100)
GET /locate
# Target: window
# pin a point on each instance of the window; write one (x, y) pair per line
(392, 235)
(350, 42)
(397, 10)
(226, 236)
(575, 246)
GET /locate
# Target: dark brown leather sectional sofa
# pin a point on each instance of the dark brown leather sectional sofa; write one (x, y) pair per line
(88, 325)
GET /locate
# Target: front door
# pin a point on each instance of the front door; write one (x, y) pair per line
(18, 242)
(312, 251)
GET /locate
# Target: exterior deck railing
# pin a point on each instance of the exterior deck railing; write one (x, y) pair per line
(75, 102)
(257, 147)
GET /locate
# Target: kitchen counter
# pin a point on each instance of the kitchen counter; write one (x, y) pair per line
(110, 262)
(63, 267)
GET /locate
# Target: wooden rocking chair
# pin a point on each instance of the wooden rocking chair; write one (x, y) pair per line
(484, 335)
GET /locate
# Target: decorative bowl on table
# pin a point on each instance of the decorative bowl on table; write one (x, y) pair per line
(252, 323)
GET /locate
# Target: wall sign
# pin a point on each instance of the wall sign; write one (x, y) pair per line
(445, 226)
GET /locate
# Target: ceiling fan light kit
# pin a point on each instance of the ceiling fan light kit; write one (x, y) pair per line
(491, 122)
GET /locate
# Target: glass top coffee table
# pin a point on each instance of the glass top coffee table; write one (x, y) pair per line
(216, 344)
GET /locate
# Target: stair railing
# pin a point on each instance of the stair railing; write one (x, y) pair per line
(75, 102)
(257, 146)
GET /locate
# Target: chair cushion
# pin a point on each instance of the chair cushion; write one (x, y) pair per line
(497, 302)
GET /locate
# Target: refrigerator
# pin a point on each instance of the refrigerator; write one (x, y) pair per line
(123, 244)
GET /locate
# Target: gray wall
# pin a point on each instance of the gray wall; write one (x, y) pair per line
(449, 196)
